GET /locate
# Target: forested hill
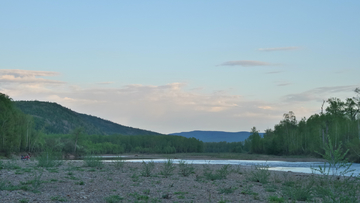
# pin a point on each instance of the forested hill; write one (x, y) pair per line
(216, 136)
(54, 118)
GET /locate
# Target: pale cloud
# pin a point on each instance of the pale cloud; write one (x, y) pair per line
(246, 63)
(27, 76)
(284, 84)
(319, 94)
(171, 107)
(279, 49)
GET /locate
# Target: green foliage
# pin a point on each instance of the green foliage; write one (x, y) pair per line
(185, 169)
(336, 183)
(276, 199)
(226, 190)
(49, 158)
(113, 199)
(167, 168)
(58, 198)
(23, 200)
(93, 161)
(57, 119)
(260, 173)
(118, 163)
(147, 168)
(222, 173)
(300, 190)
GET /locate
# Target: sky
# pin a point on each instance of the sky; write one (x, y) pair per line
(175, 66)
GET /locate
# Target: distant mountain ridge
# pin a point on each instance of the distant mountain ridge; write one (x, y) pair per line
(54, 118)
(216, 136)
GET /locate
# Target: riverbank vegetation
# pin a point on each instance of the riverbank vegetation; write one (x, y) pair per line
(338, 123)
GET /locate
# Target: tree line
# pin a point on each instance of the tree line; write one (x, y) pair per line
(340, 122)
(19, 133)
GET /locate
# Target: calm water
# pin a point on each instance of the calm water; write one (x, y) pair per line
(302, 167)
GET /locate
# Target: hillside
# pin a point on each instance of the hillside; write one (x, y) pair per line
(57, 119)
(216, 136)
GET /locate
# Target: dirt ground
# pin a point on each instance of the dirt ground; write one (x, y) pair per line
(72, 181)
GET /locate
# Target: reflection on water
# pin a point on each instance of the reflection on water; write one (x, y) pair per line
(301, 167)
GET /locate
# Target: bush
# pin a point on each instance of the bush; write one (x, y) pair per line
(168, 168)
(260, 173)
(185, 169)
(147, 168)
(337, 183)
(49, 158)
(93, 161)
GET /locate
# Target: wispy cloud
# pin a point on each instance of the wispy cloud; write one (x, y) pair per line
(279, 49)
(319, 94)
(246, 63)
(27, 76)
(284, 84)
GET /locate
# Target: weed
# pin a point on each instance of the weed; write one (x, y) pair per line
(138, 196)
(80, 183)
(135, 177)
(36, 181)
(113, 199)
(227, 190)
(147, 168)
(58, 198)
(166, 196)
(23, 200)
(146, 192)
(168, 168)
(260, 173)
(247, 190)
(276, 199)
(185, 169)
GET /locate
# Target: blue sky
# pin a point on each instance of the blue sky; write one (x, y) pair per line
(171, 66)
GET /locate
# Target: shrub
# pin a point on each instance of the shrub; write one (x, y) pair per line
(147, 168)
(337, 183)
(93, 161)
(185, 169)
(260, 173)
(168, 168)
(49, 158)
